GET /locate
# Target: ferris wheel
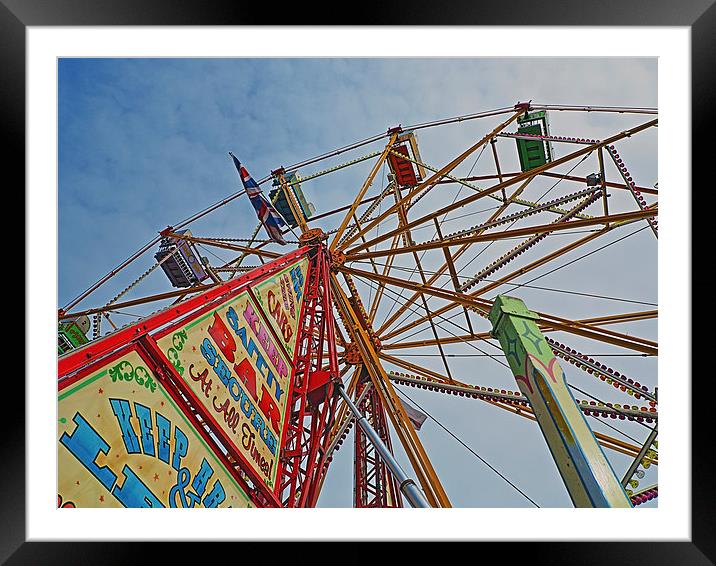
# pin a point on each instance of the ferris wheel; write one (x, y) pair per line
(498, 257)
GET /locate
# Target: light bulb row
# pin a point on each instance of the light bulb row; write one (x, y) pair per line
(523, 247)
(604, 373)
(631, 184)
(608, 410)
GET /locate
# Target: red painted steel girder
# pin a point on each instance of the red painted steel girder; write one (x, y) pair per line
(374, 485)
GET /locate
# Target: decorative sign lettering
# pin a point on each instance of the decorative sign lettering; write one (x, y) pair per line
(281, 298)
(124, 442)
(230, 361)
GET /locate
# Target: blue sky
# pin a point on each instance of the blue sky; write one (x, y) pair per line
(143, 144)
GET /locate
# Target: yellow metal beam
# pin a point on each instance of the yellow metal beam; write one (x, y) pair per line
(434, 178)
(505, 234)
(460, 251)
(361, 193)
(424, 470)
(598, 321)
(504, 279)
(509, 182)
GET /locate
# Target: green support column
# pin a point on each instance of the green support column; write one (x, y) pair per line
(586, 472)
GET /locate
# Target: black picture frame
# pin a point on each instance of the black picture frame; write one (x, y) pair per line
(17, 15)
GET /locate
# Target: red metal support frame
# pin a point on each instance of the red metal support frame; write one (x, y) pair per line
(374, 485)
(312, 406)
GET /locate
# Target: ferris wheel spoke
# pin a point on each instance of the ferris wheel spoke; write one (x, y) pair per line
(361, 193)
(412, 445)
(449, 261)
(517, 273)
(434, 178)
(403, 220)
(415, 367)
(438, 341)
(366, 215)
(459, 298)
(445, 266)
(481, 306)
(597, 321)
(224, 245)
(598, 333)
(387, 268)
(505, 184)
(493, 220)
(538, 229)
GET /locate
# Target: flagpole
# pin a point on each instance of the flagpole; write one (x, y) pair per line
(233, 158)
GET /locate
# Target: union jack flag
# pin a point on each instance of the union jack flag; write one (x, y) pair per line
(267, 214)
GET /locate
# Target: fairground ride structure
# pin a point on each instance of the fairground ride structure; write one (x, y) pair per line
(245, 383)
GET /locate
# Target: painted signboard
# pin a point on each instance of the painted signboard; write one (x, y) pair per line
(281, 298)
(230, 362)
(124, 442)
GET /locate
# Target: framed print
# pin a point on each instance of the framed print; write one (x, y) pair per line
(269, 288)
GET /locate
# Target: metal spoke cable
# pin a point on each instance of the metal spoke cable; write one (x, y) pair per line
(571, 262)
(125, 313)
(564, 176)
(447, 319)
(470, 344)
(502, 355)
(435, 233)
(615, 429)
(458, 439)
(402, 321)
(460, 217)
(592, 295)
(515, 221)
(377, 228)
(207, 250)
